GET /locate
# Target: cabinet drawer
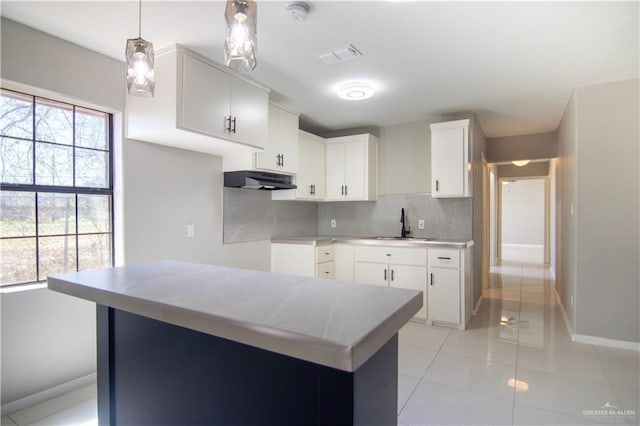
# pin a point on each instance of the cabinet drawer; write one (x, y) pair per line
(409, 256)
(325, 270)
(375, 254)
(444, 258)
(324, 253)
(396, 255)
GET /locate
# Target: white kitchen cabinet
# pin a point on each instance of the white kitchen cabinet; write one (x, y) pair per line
(449, 290)
(344, 261)
(352, 168)
(281, 152)
(397, 267)
(199, 106)
(303, 259)
(450, 161)
(310, 179)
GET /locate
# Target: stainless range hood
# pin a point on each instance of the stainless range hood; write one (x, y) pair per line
(251, 179)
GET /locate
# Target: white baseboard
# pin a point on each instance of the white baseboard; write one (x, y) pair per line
(477, 308)
(602, 341)
(594, 340)
(567, 323)
(47, 394)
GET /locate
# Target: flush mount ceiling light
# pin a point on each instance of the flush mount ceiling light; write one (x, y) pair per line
(355, 91)
(520, 163)
(298, 10)
(140, 61)
(241, 42)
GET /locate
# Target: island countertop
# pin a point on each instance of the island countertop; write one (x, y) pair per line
(332, 323)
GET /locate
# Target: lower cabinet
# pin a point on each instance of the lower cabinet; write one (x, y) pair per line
(449, 299)
(442, 275)
(302, 259)
(343, 261)
(397, 267)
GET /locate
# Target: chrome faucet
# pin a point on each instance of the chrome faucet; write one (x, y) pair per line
(405, 231)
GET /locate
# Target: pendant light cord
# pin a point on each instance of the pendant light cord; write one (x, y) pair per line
(139, 18)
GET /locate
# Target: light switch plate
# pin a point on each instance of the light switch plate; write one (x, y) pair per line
(421, 224)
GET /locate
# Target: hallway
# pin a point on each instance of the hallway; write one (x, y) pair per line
(516, 364)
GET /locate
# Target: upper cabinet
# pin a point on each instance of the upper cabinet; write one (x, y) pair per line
(281, 152)
(200, 106)
(352, 168)
(450, 163)
(311, 173)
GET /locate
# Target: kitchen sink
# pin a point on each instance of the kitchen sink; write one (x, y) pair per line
(404, 238)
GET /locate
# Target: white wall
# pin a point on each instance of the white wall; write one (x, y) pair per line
(161, 190)
(598, 226)
(404, 165)
(608, 222)
(523, 212)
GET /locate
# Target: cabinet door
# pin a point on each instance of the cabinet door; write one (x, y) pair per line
(281, 151)
(444, 295)
(413, 278)
(344, 267)
(335, 171)
(316, 169)
(355, 158)
(447, 162)
(293, 259)
(288, 141)
(304, 176)
(205, 98)
(250, 108)
(371, 273)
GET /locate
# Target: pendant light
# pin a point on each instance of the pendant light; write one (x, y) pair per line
(241, 42)
(140, 60)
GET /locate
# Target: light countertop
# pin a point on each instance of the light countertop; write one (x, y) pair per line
(332, 323)
(410, 242)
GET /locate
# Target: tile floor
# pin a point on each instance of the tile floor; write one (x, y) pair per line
(514, 365)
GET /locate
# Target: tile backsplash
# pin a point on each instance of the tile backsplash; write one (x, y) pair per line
(251, 215)
(445, 218)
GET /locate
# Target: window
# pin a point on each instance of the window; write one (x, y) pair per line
(56, 181)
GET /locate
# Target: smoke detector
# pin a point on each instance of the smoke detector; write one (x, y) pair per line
(298, 10)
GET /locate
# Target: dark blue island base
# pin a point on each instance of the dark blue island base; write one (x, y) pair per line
(154, 373)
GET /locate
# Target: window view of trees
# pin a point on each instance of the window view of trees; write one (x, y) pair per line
(56, 198)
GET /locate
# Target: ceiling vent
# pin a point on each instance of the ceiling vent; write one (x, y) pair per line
(341, 54)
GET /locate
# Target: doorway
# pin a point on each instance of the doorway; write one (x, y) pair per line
(523, 223)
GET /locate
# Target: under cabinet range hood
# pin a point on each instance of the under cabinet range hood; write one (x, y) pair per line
(251, 179)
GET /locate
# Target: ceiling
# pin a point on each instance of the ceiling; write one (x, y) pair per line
(512, 63)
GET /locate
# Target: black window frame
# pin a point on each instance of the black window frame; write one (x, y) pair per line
(63, 189)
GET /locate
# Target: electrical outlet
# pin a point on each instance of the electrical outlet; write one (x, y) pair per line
(333, 223)
(421, 224)
(191, 230)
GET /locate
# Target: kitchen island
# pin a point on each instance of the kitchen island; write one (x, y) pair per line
(182, 343)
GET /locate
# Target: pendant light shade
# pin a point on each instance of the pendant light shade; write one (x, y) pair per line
(241, 42)
(140, 62)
